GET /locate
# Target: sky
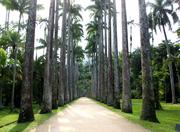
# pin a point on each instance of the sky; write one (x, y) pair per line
(132, 14)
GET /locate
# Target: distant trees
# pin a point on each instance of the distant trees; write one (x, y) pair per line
(99, 48)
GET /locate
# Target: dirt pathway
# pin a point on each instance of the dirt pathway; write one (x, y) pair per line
(87, 116)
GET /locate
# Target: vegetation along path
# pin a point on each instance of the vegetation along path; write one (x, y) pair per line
(87, 116)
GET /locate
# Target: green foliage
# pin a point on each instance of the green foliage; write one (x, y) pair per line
(162, 10)
(168, 117)
(136, 84)
(84, 81)
(160, 70)
(9, 39)
(79, 53)
(178, 32)
(3, 57)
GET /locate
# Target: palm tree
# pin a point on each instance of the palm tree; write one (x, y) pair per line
(162, 9)
(68, 85)
(47, 89)
(110, 95)
(55, 67)
(116, 62)
(97, 13)
(77, 33)
(91, 50)
(26, 111)
(126, 92)
(63, 56)
(148, 104)
(101, 53)
(105, 52)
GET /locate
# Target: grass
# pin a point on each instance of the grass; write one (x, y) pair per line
(168, 117)
(6, 117)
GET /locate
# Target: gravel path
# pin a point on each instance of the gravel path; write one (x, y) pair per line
(86, 116)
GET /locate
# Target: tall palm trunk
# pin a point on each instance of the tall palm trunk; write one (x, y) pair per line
(148, 104)
(1, 103)
(19, 23)
(68, 89)
(110, 72)
(126, 92)
(15, 51)
(170, 67)
(105, 53)
(116, 62)
(1, 88)
(55, 67)
(100, 59)
(26, 111)
(47, 89)
(178, 75)
(63, 57)
(72, 71)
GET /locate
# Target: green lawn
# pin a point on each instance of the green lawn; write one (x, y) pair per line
(6, 117)
(168, 117)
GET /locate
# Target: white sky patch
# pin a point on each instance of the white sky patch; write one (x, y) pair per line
(132, 14)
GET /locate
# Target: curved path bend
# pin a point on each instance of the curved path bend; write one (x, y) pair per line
(87, 116)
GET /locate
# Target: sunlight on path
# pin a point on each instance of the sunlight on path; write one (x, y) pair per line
(87, 116)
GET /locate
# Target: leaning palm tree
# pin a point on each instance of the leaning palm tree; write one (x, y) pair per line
(162, 10)
(126, 93)
(26, 111)
(148, 104)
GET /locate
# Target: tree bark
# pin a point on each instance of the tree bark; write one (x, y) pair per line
(105, 54)
(69, 57)
(126, 92)
(47, 89)
(148, 103)
(63, 97)
(110, 72)
(15, 49)
(116, 62)
(55, 67)
(26, 111)
(101, 56)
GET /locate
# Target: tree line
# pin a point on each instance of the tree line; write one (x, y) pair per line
(51, 79)
(60, 75)
(138, 74)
